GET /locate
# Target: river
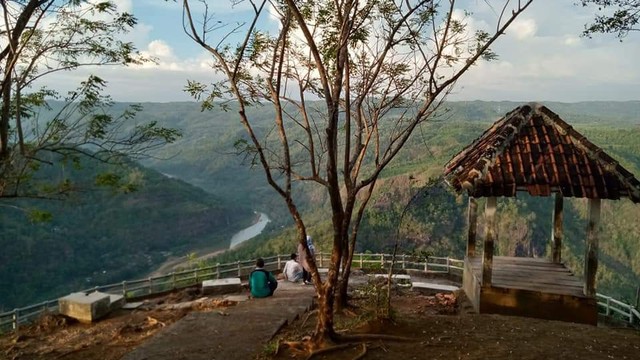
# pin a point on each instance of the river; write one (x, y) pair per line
(241, 236)
(249, 232)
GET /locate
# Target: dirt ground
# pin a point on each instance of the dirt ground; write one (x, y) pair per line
(434, 327)
(445, 327)
(59, 337)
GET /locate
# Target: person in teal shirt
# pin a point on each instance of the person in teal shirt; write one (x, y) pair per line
(261, 282)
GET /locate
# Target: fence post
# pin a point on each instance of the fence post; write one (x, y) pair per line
(448, 266)
(321, 264)
(404, 266)
(150, 285)
(361, 262)
(239, 269)
(382, 261)
(279, 263)
(15, 319)
(426, 264)
(217, 270)
(124, 288)
(173, 279)
(195, 275)
(608, 312)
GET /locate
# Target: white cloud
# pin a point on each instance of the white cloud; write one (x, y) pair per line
(160, 49)
(123, 5)
(523, 29)
(571, 40)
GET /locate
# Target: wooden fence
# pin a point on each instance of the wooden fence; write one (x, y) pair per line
(10, 321)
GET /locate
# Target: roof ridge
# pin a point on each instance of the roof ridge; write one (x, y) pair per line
(549, 156)
(593, 151)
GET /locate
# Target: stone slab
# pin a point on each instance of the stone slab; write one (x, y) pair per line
(432, 289)
(221, 286)
(235, 332)
(399, 279)
(236, 298)
(132, 305)
(116, 301)
(85, 307)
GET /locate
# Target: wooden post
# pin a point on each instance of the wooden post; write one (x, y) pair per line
(556, 231)
(487, 256)
(473, 226)
(591, 253)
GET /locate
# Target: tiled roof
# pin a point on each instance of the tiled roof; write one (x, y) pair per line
(531, 149)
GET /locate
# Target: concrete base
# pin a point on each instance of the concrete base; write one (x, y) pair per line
(221, 286)
(85, 307)
(399, 279)
(116, 302)
(529, 287)
(432, 289)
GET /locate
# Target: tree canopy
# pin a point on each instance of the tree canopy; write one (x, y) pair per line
(41, 37)
(381, 68)
(613, 16)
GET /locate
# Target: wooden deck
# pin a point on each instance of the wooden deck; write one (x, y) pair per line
(529, 287)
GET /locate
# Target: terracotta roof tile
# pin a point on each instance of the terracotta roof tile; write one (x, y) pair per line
(531, 149)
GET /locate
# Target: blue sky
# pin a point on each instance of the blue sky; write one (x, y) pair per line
(541, 58)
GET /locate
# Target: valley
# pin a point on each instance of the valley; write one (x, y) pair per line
(100, 237)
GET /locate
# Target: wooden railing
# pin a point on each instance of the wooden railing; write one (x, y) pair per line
(10, 321)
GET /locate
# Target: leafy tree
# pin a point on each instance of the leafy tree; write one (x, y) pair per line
(41, 37)
(381, 69)
(613, 16)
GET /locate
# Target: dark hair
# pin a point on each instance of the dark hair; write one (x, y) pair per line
(260, 262)
(294, 256)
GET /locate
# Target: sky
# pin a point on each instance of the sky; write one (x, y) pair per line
(541, 58)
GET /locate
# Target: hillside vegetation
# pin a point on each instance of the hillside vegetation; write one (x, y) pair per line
(434, 220)
(103, 235)
(100, 237)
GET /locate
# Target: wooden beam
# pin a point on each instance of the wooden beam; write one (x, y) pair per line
(473, 226)
(591, 253)
(487, 256)
(556, 231)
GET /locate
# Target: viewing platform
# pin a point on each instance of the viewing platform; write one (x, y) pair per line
(531, 287)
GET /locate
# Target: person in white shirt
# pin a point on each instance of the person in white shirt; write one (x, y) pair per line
(292, 269)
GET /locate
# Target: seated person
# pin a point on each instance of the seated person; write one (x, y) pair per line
(261, 282)
(292, 269)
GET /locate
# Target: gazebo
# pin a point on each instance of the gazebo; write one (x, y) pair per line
(531, 149)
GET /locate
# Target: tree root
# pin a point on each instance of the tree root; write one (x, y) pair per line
(362, 353)
(329, 349)
(365, 337)
(306, 318)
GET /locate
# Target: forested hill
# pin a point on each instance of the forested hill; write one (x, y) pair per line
(203, 191)
(434, 222)
(99, 235)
